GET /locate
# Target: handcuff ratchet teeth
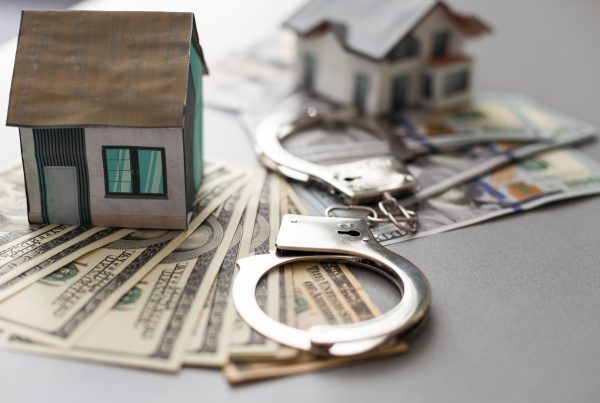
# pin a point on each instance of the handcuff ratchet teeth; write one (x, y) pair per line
(347, 240)
(357, 182)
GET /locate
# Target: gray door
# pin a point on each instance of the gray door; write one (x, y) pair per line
(361, 88)
(62, 203)
(399, 92)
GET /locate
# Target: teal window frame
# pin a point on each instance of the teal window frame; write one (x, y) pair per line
(134, 165)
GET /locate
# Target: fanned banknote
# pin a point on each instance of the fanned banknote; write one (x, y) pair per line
(245, 342)
(61, 307)
(324, 294)
(551, 176)
(209, 343)
(150, 325)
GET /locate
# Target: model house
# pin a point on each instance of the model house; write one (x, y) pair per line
(109, 111)
(385, 55)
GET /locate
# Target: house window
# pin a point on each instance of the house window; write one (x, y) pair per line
(426, 86)
(134, 171)
(440, 43)
(409, 47)
(455, 83)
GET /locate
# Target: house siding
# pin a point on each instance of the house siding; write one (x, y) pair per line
(137, 212)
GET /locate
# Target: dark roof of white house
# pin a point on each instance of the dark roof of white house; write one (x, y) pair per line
(373, 27)
(102, 68)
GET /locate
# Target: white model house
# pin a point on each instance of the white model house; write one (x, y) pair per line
(385, 55)
(109, 110)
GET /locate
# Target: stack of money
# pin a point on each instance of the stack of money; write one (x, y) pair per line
(161, 300)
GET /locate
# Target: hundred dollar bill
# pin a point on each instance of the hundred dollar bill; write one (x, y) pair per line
(243, 372)
(325, 293)
(96, 237)
(209, 344)
(544, 178)
(35, 248)
(245, 342)
(150, 325)
(59, 309)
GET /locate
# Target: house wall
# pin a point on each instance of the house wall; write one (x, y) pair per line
(169, 212)
(336, 67)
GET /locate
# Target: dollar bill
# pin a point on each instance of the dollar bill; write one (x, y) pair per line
(244, 372)
(61, 307)
(95, 238)
(325, 293)
(544, 178)
(13, 200)
(35, 248)
(209, 345)
(150, 325)
(259, 75)
(245, 342)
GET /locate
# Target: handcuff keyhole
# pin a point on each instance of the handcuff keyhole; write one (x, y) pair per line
(351, 232)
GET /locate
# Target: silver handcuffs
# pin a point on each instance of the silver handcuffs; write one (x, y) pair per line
(357, 182)
(347, 240)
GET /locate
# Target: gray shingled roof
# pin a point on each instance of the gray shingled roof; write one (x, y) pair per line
(370, 27)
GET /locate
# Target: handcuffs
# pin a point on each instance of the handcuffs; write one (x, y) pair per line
(347, 240)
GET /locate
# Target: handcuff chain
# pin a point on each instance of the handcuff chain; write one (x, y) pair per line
(392, 211)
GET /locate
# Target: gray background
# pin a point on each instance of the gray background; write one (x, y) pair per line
(516, 306)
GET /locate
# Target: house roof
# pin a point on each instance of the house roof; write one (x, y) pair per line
(374, 27)
(99, 68)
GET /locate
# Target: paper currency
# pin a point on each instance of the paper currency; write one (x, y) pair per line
(258, 76)
(245, 342)
(324, 294)
(59, 309)
(150, 325)
(243, 372)
(43, 245)
(209, 344)
(61, 255)
(551, 176)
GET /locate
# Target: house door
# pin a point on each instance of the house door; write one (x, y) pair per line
(309, 72)
(62, 203)
(361, 87)
(440, 43)
(399, 92)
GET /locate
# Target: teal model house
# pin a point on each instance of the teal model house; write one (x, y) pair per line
(109, 111)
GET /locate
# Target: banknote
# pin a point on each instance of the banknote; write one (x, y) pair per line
(12, 199)
(95, 238)
(551, 176)
(209, 344)
(150, 325)
(257, 76)
(325, 293)
(245, 342)
(51, 243)
(61, 307)
(244, 372)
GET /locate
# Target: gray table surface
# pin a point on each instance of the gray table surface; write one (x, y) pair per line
(516, 306)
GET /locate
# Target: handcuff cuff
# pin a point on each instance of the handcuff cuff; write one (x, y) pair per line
(347, 240)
